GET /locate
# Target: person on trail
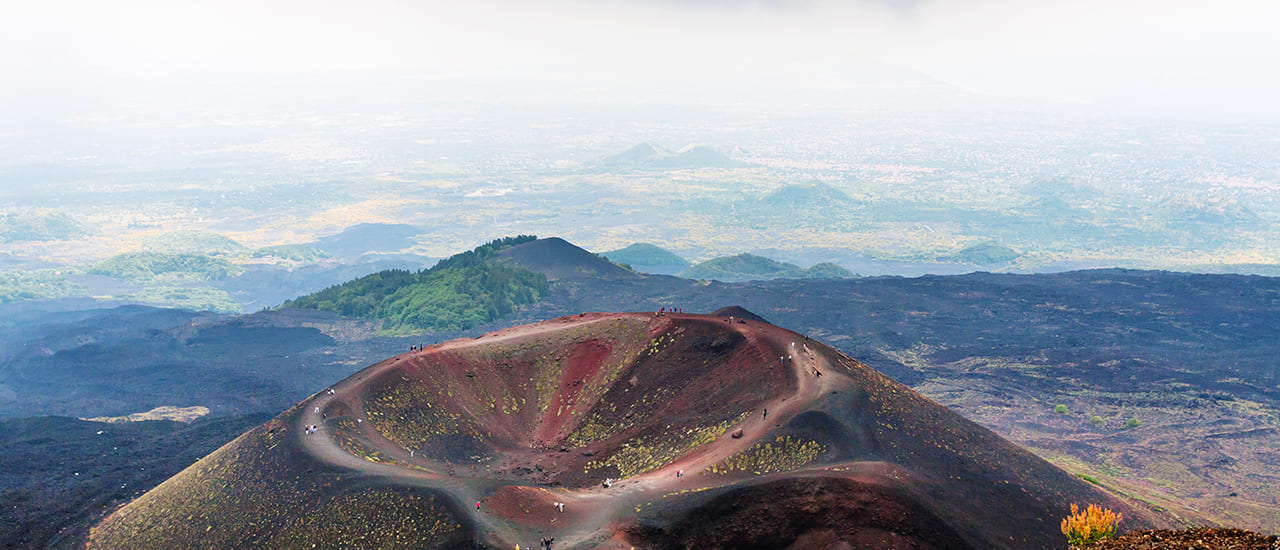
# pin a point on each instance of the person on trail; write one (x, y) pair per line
(766, 414)
(679, 473)
(477, 506)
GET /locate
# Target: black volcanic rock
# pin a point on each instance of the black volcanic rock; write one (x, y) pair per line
(558, 259)
(738, 312)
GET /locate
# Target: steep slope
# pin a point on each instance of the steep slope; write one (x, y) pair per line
(783, 442)
(558, 259)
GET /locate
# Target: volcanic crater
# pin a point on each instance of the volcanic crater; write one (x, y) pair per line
(713, 432)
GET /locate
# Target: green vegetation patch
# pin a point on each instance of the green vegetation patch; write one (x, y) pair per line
(458, 293)
(39, 226)
(164, 268)
(782, 454)
(17, 285)
(294, 252)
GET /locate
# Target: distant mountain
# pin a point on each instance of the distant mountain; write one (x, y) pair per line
(745, 267)
(192, 242)
(557, 259)
(365, 238)
(295, 252)
(795, 205)
(39, 226)
(649, 157)
(985, 253)
(459, 292)
(806, 196)
(648, 258)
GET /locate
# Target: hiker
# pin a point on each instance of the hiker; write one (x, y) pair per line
(766, 414)
(679, 473)
(477, 506)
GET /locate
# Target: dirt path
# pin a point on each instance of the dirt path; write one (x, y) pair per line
(589, 511)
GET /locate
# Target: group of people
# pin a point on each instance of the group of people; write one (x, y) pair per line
(311, 428)
(665, 310)
(607, 483)
(559, 506)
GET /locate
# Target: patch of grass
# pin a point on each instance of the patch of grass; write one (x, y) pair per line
(782, 454)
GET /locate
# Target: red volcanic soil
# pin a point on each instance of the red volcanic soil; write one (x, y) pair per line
(523, 418)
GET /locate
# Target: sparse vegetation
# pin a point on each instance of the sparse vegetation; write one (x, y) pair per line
(374, 519)
(1133, 423)
(410, 416)
(1060, 409)
(1089, 526)
(782, 454)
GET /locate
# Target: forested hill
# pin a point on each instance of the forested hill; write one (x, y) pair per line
(462, 291)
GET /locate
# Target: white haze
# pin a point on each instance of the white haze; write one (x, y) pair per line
(1195, 59)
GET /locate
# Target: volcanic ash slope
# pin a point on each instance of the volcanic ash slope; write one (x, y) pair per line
(473, 442)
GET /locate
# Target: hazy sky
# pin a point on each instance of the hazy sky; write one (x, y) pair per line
(1199, 58)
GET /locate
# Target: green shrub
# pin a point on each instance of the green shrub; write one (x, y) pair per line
(1060, 409)
(1097, 421)
(1133, 423)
